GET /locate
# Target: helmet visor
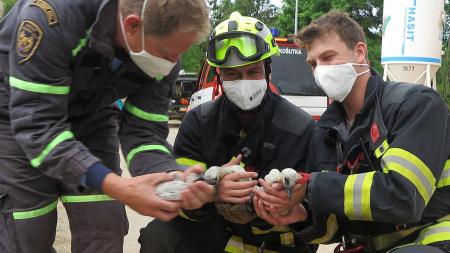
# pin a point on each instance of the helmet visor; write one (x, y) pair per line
(248, 46)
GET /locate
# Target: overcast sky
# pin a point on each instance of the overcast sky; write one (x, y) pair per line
(276, 2)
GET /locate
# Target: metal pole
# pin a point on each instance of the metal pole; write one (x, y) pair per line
(296, 16)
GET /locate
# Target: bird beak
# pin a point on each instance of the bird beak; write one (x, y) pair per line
(287, 189)
(202, 178)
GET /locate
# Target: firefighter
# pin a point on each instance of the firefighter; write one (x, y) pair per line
(248, 121)
(63, 64)
(385, 147)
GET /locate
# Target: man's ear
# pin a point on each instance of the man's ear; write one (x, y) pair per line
(361, 51)
(132, 24)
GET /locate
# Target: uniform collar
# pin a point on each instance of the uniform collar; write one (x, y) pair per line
(228, 121)
(103, 28)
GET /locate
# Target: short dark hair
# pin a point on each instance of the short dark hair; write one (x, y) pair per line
(334, 22)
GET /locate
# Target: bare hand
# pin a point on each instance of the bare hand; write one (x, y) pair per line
(272, 216)
(139, 194)
(276, 197)
(231, 189)
(198, 193)
(234, 161)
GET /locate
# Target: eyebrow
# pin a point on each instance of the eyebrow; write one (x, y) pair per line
(309, 61)
(255, 68)
(228, 70)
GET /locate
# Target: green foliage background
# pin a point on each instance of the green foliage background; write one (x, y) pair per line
(368, 13)
(8, 4)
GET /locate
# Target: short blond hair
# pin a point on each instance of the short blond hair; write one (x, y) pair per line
(163, 17)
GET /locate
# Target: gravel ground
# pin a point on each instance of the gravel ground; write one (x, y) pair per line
(137, 221)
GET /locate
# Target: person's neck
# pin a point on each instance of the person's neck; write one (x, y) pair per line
(354, 102)
(246, 120)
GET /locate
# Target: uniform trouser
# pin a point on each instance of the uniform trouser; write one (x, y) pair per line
(210, 235)
(184, 236)
(28, 198)
(423, 248)
(411, 245)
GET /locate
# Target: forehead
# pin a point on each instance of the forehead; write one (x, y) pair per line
(258, 65)
(325, 42)
(176, 42)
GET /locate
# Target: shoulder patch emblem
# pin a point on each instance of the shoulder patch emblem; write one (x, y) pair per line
(28, 39)
(49, 11)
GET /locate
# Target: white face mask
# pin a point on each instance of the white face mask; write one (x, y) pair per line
(337, 80)
(245, 94)
(153, 66)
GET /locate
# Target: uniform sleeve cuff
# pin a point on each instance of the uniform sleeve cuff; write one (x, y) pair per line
(95, 176)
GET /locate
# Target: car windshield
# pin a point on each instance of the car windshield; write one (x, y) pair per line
(292, 75)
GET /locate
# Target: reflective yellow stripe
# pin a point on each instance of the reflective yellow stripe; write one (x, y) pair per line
(35, 213)
(82, 43)
(38, 87)
(382, 149)
(445, 177)
(85, 198)
(278, 229)
(412, 168)
(287, 239)
(183, 215)
(332, 227)
(241, 163)
(143, 148)
(153, 117)
(436, 233)
(236, 245)
(36, 162)
(189, 162)
(357, 196)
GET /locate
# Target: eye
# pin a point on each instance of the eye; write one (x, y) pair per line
(231, 75)
(328, 57)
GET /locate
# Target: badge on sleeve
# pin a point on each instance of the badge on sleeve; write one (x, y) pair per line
(28, 39)
(48, 9)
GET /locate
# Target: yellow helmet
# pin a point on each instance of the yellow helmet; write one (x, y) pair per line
(240, 41)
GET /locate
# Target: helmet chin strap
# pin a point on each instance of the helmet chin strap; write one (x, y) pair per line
(219, 82)
(268, 70)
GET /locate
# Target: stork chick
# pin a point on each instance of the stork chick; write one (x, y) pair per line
(236, 213)
(288, 177)
(171, 190)
(217, 173)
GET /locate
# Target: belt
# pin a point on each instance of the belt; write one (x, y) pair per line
(384, 241)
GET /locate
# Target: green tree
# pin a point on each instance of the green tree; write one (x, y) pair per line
(192, 59)
(443, 75)
(368, 13)
(220, 10)
(7, 5)
(446, 34)
(260, 9)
